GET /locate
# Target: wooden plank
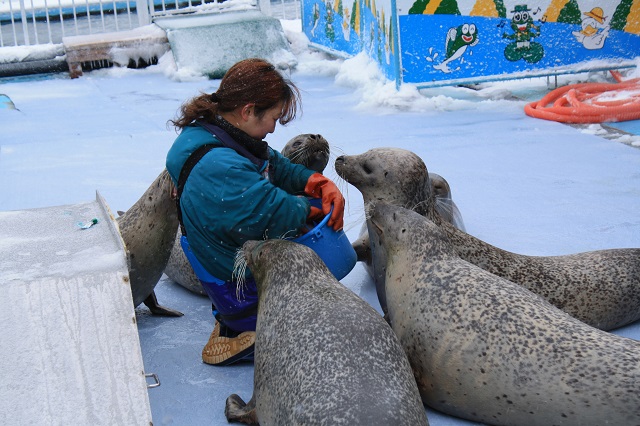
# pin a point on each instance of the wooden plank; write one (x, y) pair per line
(107, 46)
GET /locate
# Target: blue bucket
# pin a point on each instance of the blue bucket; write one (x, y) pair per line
(334, 248)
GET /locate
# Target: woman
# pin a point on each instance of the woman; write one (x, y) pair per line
(232, 187)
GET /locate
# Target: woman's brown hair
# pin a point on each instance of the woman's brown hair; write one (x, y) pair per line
(250, 81)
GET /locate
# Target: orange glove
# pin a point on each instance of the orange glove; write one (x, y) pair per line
(318, 186)
(315, 215)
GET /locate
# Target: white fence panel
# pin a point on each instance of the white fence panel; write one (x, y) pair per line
(37, 22)
(34, 22)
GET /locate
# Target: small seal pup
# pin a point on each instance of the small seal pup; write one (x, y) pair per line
(601, 288)
(308, 149)
(322, 354)
(489, 350)
(148, 230)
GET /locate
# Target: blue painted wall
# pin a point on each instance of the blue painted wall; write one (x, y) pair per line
(438, 42)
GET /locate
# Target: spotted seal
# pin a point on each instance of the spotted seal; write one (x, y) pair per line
(310, 150)
(148, 230)
(444, 204)
(486, 349)
(179, 269)
(322, 354)
(601, 288)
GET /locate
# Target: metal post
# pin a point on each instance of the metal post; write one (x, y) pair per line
(142, 10)
(25, 29)
(265, 6)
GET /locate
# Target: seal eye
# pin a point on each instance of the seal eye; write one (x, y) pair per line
(366, 169)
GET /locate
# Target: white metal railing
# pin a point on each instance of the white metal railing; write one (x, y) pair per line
(289, 9)
(37, 22)
(174, 7)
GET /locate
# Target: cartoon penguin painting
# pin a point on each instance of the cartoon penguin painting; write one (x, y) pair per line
(457, 41)
(594, 31)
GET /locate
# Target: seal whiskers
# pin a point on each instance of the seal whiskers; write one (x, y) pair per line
(238, 274)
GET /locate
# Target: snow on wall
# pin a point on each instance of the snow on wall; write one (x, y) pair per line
(211, 44)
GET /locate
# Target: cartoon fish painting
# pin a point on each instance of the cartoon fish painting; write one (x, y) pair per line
(457, 41)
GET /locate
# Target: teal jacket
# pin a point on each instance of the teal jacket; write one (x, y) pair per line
(227, 199)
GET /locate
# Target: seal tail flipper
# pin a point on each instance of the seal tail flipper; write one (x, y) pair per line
(236, 410)
(152, 303)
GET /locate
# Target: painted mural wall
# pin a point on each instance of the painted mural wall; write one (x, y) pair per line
(467, 39)
(348, 29)
(453, 41)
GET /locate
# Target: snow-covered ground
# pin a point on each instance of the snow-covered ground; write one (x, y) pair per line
(526, 185)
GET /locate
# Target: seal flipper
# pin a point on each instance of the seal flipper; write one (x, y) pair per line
(152, 303)
(236, 410)
(362, 248)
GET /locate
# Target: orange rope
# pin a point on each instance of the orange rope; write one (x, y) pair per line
(590, 102)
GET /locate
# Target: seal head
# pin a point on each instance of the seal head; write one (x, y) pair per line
(309, 149)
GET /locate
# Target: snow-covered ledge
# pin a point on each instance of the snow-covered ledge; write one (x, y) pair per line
(70, 350)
